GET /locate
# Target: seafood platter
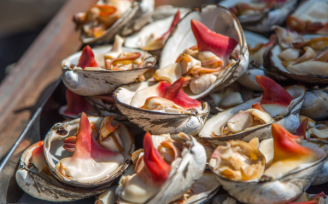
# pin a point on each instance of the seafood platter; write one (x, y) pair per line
(224, 103)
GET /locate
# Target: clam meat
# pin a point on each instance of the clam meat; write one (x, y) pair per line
(76, 158)
(207, 48)
(243, 171)
(161, 108)
(159, 167)
(100, 70)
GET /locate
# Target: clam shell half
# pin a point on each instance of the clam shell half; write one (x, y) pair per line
(158, 122)
(218, 19)
(262, 22)
(184, 173)
(98, 81)
(282, 190)
(276, 64)
(132, 20)
(315, 104)
(54, 151)
(46, 187)
(289, 121)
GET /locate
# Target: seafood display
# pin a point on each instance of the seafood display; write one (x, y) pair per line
(187, 108)
(110, 17)
(302, 58)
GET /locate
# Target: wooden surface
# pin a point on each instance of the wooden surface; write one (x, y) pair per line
(24, 89)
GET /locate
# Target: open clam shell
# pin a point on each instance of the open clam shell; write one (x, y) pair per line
(262, 22)
(157, 122)
(315, 105)
(275, 64)
(309, 17)
(132, 20)
(99, 81)
(218, 19)
(54, 151)
(281, 190)
(165, 11)
(44, 186)
(184, 173)
(289, 121)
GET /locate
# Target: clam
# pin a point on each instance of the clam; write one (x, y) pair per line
(212, 64)
(259, 16)
(34, 178)
(315, 104)
(165, 11)
(254, 117)
(165, 169)
(110, 17)
(161, 107)
(101, 70)
(74, 157)
(310, 17)
(153, 36)
(292, 169)
(300, 59)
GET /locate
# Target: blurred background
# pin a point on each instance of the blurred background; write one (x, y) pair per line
(21, 21)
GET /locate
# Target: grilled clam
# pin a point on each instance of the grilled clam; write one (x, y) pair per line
(80, 160)
(161, 107)
(310, 17)
(110, 17)
(298, 58)
(164, 170)
(212, 64)
(34, 178)
(88, 74)
(253, 118)
(292, 169)
(259, 16)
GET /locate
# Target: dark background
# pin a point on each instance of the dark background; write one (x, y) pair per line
(21, 21)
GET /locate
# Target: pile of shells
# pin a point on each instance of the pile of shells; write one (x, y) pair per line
(187, 107)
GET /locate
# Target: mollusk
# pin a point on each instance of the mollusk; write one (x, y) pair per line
(252, 118)
(315, 105)
(302, 60)
(34, 178)
(292, 169)
(166, 169)
(261, 15)
(199, 27)
(106, 19)
(103, 69)
(161, 108)
(91, 164)
(310, 17)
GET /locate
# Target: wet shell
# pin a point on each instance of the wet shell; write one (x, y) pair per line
(132, 20)
(100, 81)
(54, 151)
(44, 186)
(158, 122)
(262, 22)
(218, 19)
(184, 173)
(289, 121)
